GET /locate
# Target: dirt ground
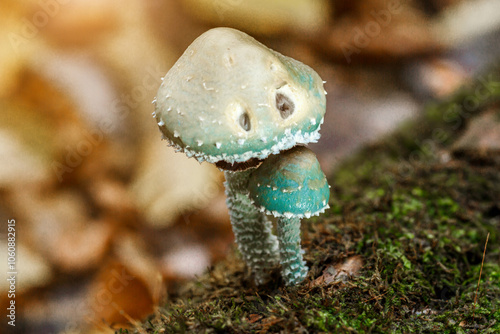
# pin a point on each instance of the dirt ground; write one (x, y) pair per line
(403, 249)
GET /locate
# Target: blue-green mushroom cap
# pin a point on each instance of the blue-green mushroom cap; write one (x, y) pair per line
(229, 98)
(290, 184)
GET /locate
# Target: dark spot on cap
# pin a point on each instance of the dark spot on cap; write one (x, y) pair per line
(245, 121)
(285, 105)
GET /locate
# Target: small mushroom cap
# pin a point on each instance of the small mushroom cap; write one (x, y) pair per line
(230, 98)
(290, 184)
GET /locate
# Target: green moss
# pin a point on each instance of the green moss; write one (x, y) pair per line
(419, 225)
(422, 246)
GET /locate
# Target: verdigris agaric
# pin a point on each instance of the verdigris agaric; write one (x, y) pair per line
(290, 186)
(231, 101)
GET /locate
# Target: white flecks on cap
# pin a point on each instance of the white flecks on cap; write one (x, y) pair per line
(284, 144)
(206, 87)
(291, 214)
(223, 67)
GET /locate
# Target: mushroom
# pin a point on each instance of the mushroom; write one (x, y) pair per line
(290, 186)
(231, 101)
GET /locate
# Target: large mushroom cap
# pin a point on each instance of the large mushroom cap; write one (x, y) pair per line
(290, 184)
(229, 98)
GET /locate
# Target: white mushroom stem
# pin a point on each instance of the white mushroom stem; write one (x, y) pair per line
(293, 268)
(253, 231)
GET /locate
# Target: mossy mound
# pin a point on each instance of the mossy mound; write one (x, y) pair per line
(416, 214)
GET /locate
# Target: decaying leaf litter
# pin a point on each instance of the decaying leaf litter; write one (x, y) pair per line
(84, 172)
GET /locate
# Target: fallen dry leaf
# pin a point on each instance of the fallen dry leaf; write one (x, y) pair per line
(80, 23)
(24, 167)
(59, 227)
(168, 184)
(132, 251)
(339, 272)
(76, 252)
(379, 30)
(438, 77)
(262, 16)
(14, 48)
(36, 270)
(481, 140)
(117, 295)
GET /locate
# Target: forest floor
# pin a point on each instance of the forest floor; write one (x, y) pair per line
(401, 249)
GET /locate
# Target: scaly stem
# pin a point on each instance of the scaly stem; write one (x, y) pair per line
(253, 232)
(293, 268)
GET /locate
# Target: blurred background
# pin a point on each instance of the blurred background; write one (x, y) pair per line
(109, 220)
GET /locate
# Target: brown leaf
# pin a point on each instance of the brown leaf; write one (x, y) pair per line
(481, 139)
(85, 249)
(168, 184)
(131, 250)
(339, 272)
(379, 31)
(82, 22)
(117, 295)
(59, 228)
(438, 77)
(262, 16)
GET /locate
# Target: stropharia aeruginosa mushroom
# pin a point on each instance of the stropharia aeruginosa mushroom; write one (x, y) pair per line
(232, 101)
(290, 186)
(229, 98)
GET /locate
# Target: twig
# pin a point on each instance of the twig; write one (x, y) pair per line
(375, 298)
(480, 272)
